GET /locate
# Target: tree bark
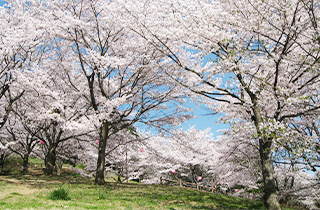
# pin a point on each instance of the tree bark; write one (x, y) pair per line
(270, 191)
(104, 133)
(25, 164)
(50, 160)
(2, 160)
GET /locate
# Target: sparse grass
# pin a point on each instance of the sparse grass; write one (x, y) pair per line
(35, 161)
(34, 191)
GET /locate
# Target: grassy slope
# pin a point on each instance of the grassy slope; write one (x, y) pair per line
(114, 196)
(31, 192)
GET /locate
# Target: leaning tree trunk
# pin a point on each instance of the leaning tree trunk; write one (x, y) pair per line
(270, 191)
(50, 160)
(104, 133)
(25, 164)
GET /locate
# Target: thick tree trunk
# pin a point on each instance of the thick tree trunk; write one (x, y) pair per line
(270, 190)
(25, 164)
(265, 143)
(104, 132)
(50, 160)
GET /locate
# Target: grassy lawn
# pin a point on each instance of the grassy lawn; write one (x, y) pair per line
(26, 193)
(34, 191)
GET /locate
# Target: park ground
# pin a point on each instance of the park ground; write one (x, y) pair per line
(35, 191)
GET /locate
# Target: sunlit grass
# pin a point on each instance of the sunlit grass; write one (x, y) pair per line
(34, 191)
(86, 195)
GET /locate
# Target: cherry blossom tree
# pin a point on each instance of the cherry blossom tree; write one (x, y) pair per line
(24, 142)
(124, 62)
(307, 137)
(123, 78)
(297, 187)
(191, 154)
(257, 61)
(20, 46)
(238, 156)
(60, 117)
(239, 169)
(113, 75)
(51, 109)
(4, 154)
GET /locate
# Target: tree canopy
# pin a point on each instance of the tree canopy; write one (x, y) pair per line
(94, 69)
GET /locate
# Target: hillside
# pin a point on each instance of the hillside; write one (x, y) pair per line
(34, 191)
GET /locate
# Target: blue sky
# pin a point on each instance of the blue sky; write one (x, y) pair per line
(203, 121)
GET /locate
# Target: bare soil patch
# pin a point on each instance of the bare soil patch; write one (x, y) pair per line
(35, 182)
(18, 187)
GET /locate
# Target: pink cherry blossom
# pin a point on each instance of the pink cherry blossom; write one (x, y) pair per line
(236, 190)
(173, 171)
(41, 142)
(141, 150)
(250, 197)
(199, 178)
(97, 141)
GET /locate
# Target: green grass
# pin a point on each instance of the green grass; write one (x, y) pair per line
(83, 194)
(59, 194)
(35, 161)
(35, 191)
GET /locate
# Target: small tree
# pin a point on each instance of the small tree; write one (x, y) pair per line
(24, 145)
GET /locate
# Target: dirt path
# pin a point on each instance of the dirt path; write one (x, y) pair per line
(24, 185)
(17, 187)
(35, 182)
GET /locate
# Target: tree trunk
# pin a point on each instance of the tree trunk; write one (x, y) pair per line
(3, 157)
(50, 160)
(270, 190)
(1, 163)
(104, 132)
(59, 165)
(25, 164)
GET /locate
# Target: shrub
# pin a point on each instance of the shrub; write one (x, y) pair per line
(59, 194)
